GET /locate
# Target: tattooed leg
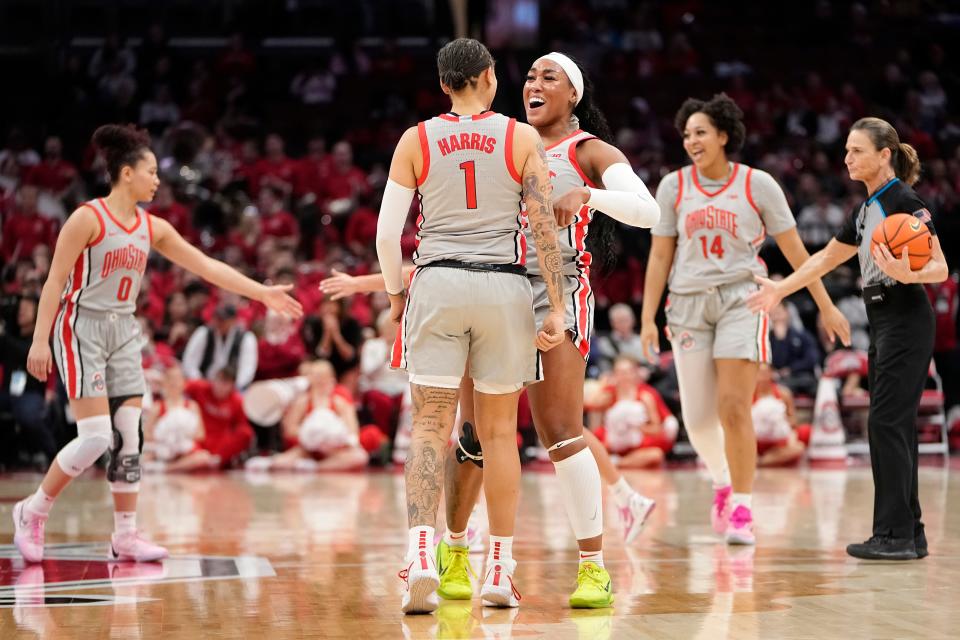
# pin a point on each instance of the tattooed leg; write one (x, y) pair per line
(434, 410)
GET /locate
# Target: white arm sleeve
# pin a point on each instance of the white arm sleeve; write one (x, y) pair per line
(393, 215)
(625, 198)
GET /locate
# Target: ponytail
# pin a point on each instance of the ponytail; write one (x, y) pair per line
(906, 164)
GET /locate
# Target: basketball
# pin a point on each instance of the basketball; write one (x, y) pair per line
(901, 230)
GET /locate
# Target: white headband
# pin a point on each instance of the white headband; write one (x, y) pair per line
(570, 68)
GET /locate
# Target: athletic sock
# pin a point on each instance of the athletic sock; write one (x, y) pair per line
(39, 503)
(455, 538)
(741, 499)
(124, 521)
(622, 492)
(596, 557)
(721, 479)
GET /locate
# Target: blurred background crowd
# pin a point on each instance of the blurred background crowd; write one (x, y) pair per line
(274, 139)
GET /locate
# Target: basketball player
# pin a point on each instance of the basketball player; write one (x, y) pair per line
(469, 299)
(716, 214)
(558, 98)
(95, 275)
(902, 329)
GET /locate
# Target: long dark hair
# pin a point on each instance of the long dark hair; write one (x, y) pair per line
(602, 235)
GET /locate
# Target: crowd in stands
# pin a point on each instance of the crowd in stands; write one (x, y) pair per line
(276, 164)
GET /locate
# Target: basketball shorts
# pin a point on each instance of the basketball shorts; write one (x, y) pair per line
(578, 299)
(454, 314)
(98, 353)
(718, 319)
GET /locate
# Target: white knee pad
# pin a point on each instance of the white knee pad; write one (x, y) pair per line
(94, 437)
(123, 472)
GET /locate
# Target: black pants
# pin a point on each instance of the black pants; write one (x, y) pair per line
(901, 346)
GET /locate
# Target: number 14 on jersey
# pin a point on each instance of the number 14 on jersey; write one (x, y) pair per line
(716, 246)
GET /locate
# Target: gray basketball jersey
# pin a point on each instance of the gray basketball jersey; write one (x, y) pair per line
(566, 174)
(719, 227)
(107, 275)
(470, 192)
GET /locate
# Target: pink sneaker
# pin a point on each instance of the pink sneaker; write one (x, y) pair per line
(720, 511)
(634, 516)
(28, 532)
(740, 529)
(131, 546)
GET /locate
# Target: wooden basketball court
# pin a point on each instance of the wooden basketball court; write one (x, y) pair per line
(308, 556)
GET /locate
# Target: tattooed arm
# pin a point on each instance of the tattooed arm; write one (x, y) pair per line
(529, 154)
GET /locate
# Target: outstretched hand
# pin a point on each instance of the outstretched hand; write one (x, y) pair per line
(339, 285)
(275, 298)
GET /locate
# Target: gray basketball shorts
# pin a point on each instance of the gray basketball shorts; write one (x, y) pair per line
(718, 319)
(455, 314)
(98, 353)
(578, 301)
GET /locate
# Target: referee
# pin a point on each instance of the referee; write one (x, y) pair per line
(901, 330)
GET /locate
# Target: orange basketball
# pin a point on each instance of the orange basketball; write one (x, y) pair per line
(901, 230)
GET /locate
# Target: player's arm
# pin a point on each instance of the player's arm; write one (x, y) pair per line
(624, 197)
(172, 246)
(342, 285)
(818, 265)
(80, 229)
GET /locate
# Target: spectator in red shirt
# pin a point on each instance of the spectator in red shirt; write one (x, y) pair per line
(275, 169)
(275, 221)
(53, 173)
(312, 170)
(166, 206)
(26, 228)
(280, 349)
(361, 232)
(227, 433)
(945, 297)
(345, 182)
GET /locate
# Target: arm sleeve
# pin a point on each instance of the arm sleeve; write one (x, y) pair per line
(625, 198)
(193, 353)
(667, 192)
(247, 364)
(769, 198)
(393, 216)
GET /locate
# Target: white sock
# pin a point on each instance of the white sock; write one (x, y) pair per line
(455, 538)
(596, 557)
(124, 521)
(622, 492)
(741, 499)
(582, 493)
(721, 479)
(420, 538)
(39, 503)
(501, 548)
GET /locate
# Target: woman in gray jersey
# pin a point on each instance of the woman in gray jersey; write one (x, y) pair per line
(902, 329)
(95, 277)
(715, 216)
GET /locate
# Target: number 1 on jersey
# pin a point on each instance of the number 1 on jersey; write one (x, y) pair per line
(470, 177)
(716, 247)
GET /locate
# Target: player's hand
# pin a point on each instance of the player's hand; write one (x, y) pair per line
(40, 360)
(650, 341)
(397, 303)
(836, 325)
(339, 285)
(553, 331)
(566, 207)
(900, 269)
(766, 298)
(275, 298)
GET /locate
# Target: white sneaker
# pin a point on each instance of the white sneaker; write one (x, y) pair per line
(498, 589)
(422, 580)
(131, 546)
(634, 516)
(28, 532)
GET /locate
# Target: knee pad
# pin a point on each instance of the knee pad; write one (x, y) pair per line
(123, 471)
(93, 440)
(468, 446)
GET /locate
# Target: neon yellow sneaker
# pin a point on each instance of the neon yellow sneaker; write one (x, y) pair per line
(594, 589)
(453, 563)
